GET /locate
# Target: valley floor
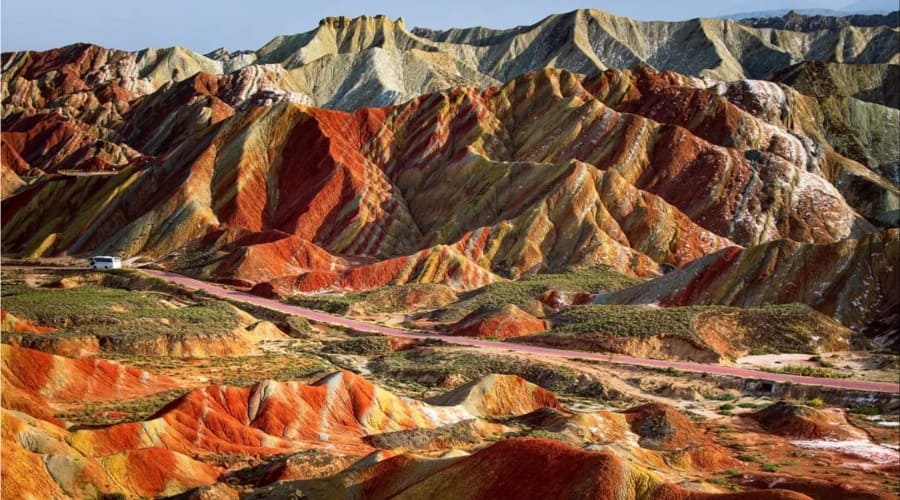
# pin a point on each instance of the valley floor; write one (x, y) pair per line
(709, 432)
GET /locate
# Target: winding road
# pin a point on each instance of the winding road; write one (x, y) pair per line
(226, 293)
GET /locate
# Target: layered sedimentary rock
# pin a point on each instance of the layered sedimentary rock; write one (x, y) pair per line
(38, 462)
(508, 322)
(272, 417)
(867, 82)
(34, 382)
(375, 61)
(550, 171)
(486, 160)
(803, 422)
(532, 468)
(854, 281)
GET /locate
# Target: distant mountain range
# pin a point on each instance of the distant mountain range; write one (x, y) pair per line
(860, 7)
(796, 21)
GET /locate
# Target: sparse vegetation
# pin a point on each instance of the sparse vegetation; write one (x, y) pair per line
(771, 467)
(110, 412)
(816, 403)
(369, 345)
(495, 296)
(100, 311)
(627, 321)
(865, 410)
(542, 434)
(780, 328)
(434, 367)
(722, 396)
(807, 371)
(238, 370)
(334, 303)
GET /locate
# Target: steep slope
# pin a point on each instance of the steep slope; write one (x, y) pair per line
(868, 82)
(588, 41)
(803, 422)
(757, 115)
(346, 63)
(270, 418)
(35, 382)
(853, 281)
(38, 462)
(455, 187)
(531, 468)
(506, 323)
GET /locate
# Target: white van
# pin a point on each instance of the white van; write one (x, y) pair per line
(105, 262)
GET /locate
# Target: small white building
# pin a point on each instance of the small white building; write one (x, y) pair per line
(105, 262)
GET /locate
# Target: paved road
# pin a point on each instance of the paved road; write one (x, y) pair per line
(223, 292)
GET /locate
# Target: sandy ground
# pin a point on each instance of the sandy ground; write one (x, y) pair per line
(859, 365)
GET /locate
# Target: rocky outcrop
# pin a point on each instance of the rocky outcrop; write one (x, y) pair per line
(853, 281)
(499, 395)
(273, 417)
(347, 63)
(38, 462)
(867, 82)
(508, 322)
(36, 383)
(804, 422)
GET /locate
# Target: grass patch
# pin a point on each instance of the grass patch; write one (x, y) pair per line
(101, 311)
(112, 412)
(771, 467)
(238, 371)
(816, 403)
(333, 303)
(777, 328)
(807, 371)
(542, 434)
(722, 396)
(865, 410)
(370, 345)
(627, 321)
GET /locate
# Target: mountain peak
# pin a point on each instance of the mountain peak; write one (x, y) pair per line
(344, 22)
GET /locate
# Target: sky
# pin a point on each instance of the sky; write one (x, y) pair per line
(204, 25)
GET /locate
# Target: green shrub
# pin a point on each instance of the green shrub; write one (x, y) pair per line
(865, 410)
(333, 303)
(808, 371)
(722, 396)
